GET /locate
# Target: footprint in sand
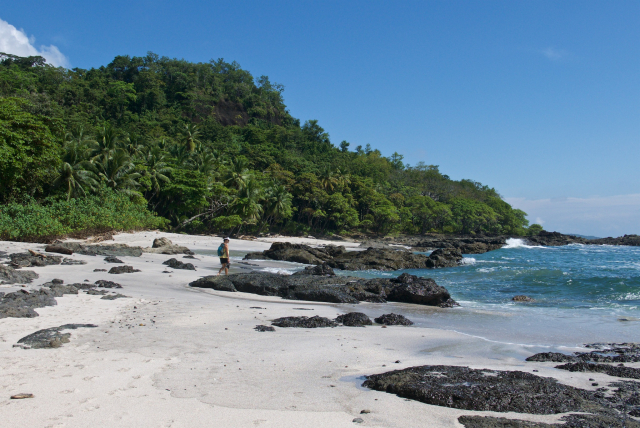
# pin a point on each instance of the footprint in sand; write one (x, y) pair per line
(90, 378)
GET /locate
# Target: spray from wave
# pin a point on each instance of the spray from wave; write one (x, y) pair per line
(519, 243)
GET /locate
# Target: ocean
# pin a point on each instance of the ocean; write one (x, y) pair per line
(583, 294)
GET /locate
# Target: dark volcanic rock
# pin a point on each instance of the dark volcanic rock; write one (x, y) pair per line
(21, 304)
(50, 337)
(114, 296)
(216, 282)
(9, 275)
(444, 257)
(99, 270)
(58, 249)
(112, 259)
(379, 259)
(354, 319)
(466, 244)
(123, 269)
(522, 298)
(602, 353)
(107, 284)
(631, 240)
(412, 289)
(393, 319)
(617, 371)
(116, 250)
(569, 421)
(60, 290)
(71, 262)
(264, 328)
(335, 289)
(555, 357)
(165, 246)
(554, 239)
(323, 269)
(299, 253)
(304, 322)
(21, 260)
(177, 264)
(484, 390)
(372, 258)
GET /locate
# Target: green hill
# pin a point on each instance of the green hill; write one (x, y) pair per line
(209, 148)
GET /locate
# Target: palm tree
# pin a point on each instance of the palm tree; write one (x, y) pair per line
(247, 204)
(206, 161)
(190, 135)
(238, 173)
(157, 168)
(181, 156)
(278, 204)
(117, 172)
(106, 143)
(75, 179)
(328, 179)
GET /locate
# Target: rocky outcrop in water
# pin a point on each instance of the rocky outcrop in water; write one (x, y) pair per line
(177, 264)
(9, 275)
(393, 319)
(304, 322)
(522, 298)
(555, 239)
(372, 258)
(50, 337)
(630, 240)
(465, 244)
(334, 289)
(354, 319)
(111, 259)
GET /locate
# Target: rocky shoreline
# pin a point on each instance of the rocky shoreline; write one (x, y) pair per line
(337, 257)
(320, 284)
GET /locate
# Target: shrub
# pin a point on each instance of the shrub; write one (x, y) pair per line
(34, 221)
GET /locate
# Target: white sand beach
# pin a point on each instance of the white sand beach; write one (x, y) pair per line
(175, 356)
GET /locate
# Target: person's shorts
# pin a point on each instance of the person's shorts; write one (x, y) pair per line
(224, 261)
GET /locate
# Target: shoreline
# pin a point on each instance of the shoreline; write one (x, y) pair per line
(171, 355)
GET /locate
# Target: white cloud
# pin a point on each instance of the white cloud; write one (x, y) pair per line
(553, 53)
(597, 215)
(16, 42)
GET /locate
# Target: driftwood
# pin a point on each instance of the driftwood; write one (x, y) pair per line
(37, 254)
(215, 207)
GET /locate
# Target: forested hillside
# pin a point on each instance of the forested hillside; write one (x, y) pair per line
(204, 147)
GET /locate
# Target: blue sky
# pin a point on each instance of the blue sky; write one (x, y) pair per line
(540, 100)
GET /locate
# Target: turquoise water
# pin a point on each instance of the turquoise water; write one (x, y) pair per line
(583, 293)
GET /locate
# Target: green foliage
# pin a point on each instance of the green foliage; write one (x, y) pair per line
(108, 211)
(534, 229)
(209, 147)
(29, 151)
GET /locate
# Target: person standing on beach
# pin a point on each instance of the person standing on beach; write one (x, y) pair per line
(223, 253)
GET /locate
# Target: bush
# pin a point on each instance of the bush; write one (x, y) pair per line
(110, 211)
